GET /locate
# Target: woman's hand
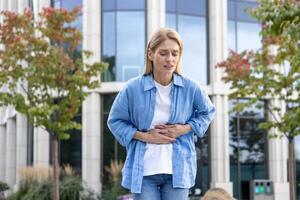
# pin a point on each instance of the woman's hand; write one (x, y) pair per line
(174, 130)
(154, 137)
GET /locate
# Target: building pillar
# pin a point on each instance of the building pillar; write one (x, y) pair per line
(2, 152)
(91, 121)
(91, 142)
(22, 4)
(3, 6)
(21, 132)
(38, 6)
(278, 156)
(219, 142)
(41, 147)
(11, 152)
(156, 14)
(21, 121)
(13, 5)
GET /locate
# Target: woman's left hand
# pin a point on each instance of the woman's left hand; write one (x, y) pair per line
(174, 130)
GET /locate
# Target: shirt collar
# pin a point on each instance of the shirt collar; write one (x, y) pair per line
(149, 81)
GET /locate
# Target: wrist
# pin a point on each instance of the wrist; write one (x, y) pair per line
(141, 136)
(187, 128)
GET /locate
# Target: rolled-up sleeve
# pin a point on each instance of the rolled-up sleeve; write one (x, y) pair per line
(119, 119)
(203, 112)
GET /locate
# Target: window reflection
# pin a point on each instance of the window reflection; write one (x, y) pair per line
(194, 56)
(248, 36)
(189, 19)
(131, 4)
(30, 149)
(192, 7)
(243, 9)
(69, 5)
(70, 150)
(66, 4)
(248, 147)
(203, 166)
(232, 44)
(112, 150)
(123, 39)
(130, 53)
(243, 30)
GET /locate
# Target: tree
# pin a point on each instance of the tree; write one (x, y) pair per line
(39, 74)
(272, 72)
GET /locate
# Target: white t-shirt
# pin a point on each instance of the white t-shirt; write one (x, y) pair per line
(158, 157)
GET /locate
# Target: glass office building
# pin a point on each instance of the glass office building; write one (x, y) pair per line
(117, 31)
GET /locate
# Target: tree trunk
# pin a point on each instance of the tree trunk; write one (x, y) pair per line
(292, 169)
(55, 166)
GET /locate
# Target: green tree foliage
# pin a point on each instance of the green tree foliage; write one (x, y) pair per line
(272, 72)
(40, 74)
(37, 73)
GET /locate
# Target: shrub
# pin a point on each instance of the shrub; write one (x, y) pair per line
(36, 183)
(3, 186)
(114, 189)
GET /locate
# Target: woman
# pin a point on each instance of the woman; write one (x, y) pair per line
(156, 116)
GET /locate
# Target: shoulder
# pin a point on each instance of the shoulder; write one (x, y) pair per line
(190, 83)
(133, 83)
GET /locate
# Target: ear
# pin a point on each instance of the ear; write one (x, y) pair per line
(150, 54)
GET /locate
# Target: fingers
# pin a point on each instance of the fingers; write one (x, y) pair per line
(156, 137)
(160, 126)
(167, 138)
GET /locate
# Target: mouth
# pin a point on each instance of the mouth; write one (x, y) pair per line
(169, 67)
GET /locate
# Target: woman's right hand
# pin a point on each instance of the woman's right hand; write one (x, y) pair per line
(154, 137)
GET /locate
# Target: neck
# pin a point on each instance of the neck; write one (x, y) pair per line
(163, 79)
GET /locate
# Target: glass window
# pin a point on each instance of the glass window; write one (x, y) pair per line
(232, 35)
(194, 60)
(192, 7)
(243, 30)
(29, 143)
(130, 4)
(189, 19)
(108, 5)
(231, 10)
(171, 6)
(171, 21)
(123, 40)
(130, 53)
(70, 4)
(248, 36)
(70, 150)
(203, 165)
(112, 150)
(248, 147)
(109, 45)
(243, 11)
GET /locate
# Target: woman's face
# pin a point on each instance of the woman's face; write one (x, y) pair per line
(165, 58)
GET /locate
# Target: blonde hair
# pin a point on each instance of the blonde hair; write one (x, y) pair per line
(160, 36)
(217, 194)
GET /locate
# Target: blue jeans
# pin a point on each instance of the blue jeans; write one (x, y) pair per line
(160, 187)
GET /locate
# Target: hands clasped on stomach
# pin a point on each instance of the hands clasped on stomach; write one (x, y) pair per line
(165, 134)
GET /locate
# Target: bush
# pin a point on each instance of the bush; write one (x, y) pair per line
(114, 189)
(39, 186)
(3, 186)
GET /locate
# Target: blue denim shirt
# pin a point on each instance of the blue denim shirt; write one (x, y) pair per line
(133, 110)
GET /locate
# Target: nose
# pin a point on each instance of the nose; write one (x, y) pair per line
(170, 58)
